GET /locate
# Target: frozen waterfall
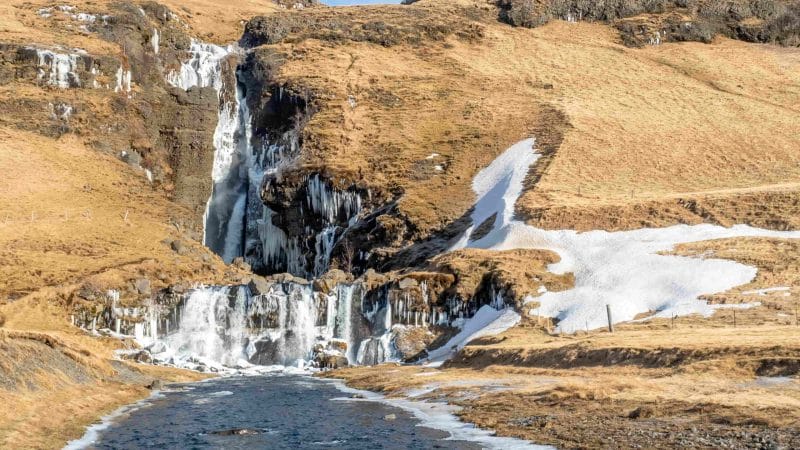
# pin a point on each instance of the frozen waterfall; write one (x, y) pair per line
(58, 69)
(233, 327)
(204, 67)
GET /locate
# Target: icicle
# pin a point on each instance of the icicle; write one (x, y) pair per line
(203, 69)
(57, 69)
(154, 40)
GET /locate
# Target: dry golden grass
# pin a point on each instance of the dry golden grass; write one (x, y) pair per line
(536, 387)
(64, 384)
(641, 127)
(70, 214)
(82, 213)
(209, 20)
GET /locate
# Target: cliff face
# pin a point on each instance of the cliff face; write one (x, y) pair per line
(116, 97)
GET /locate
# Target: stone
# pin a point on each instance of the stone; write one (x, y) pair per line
(237, 432)
(338, 345)
(240, 263)
(179, 247)
(157, 347)
(156, 385)
(390, 417)
(327, 361)
(142, 286)
(407, 283)
(258, 285)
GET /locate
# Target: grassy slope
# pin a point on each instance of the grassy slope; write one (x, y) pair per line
(642, 127)
(71, 215)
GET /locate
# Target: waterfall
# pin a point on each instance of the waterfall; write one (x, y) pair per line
(378, 348)
(225, 213)
(224, 219)
(229, 326)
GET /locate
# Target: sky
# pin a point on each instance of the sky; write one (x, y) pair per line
(358, 2)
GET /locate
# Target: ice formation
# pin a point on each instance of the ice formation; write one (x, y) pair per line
(232, 327)
(123, 78)
(621, 269)
(58, 69)
(154, 39)
(204, 67)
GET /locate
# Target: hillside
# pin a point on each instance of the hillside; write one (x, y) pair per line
(151, 147)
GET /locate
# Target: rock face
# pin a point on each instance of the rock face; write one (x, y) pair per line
(121, 102)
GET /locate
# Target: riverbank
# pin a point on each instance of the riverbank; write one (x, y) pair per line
(63, 380)
(700, 385)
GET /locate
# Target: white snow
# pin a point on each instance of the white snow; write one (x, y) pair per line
(486, 322)
(441, 416)
(620, 269)
(767, 290)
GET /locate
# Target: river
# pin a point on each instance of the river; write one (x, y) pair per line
(269, 411)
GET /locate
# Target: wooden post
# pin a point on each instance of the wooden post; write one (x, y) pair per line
(734, 318)
(673, 322)
(610, 320)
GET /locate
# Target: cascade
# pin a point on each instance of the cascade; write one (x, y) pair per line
(232, 327)
(236, 222)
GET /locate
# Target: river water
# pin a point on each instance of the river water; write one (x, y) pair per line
(276, 412)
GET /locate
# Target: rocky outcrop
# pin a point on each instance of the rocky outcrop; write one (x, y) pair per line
(120, 103)
(645, 22)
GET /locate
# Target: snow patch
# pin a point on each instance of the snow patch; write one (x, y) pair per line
(486, 322)
(766, 291)
(621, 269)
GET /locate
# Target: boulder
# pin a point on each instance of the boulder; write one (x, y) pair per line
(258, 285)
(142, 286)
(407, 283)
(331, 361)
(240, 263)
(179, 247)
(328, 282)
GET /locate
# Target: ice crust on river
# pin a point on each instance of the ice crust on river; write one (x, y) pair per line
(621, 269)
(441, 416)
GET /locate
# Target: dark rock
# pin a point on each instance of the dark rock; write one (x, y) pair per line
(642, 412)
(258, 285)
(179, 247)
(142, 356)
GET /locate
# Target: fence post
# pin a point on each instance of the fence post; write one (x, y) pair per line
(610, 320)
